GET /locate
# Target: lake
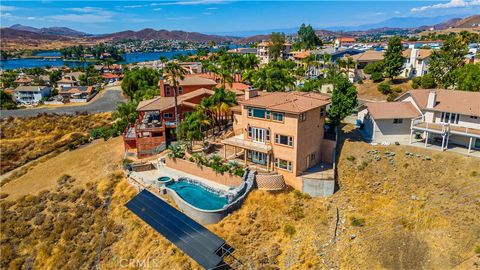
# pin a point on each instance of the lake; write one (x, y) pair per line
(39, 62)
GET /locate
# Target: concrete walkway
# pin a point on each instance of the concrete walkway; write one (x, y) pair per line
(451, 148)
(149, 177)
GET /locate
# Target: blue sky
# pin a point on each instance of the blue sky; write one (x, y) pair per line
(220, 16)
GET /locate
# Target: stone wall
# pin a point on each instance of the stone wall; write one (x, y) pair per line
(270, 181)
(203, 172)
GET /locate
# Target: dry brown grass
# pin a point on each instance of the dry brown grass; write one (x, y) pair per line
(92, 161)
(415, 214)
(26, 139)
(369, 90)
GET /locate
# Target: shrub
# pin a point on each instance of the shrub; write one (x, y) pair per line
(477, 249)
(357, 222)
(71, 146)
(391, 97)
(416, 82)
(300, 195)
(376, 67)
(289, 229)
(428, 81)
(474, 173)
(351, 158)
(384, 88)
(362, 166)
(296, 211)
(377, 77)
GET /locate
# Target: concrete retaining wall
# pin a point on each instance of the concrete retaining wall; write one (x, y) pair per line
(318, 188)
(203, 172)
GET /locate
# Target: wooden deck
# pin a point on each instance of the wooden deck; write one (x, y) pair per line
(440, 128)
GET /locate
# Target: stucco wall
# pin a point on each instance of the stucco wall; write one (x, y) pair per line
(203, 172)
(327, 151)
(387, 131)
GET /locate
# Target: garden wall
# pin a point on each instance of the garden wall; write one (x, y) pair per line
(203, 172)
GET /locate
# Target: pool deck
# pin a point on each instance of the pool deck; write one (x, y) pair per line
(175, 174)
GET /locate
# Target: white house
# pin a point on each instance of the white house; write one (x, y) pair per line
(416, 62)
(441, 117)
(264, 55)
(344, 42)
(30, 94)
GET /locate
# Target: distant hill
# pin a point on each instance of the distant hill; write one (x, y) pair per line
(469, 22)
(149, 33)
(59, 31)
(16, 34)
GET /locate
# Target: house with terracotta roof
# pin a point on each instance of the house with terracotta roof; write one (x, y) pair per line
(77, 93)
(23, 80)
(155, 124)
(442, 117)
(344, 42)
(416, 62)
(367, 57)
(189, 84)
(279, 133)
(69, 79)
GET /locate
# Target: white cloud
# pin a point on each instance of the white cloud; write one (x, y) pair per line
(451, 4)
(397, 12)
(85, 9)
(7, 8)
(195, 2)
(212, 8)
(82, 18)
(157, 9)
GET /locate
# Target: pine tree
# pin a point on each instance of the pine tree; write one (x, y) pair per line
(393, 60)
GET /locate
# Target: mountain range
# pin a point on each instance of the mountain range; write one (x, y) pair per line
(20, 36)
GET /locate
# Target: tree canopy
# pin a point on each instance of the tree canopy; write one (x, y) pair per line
(445, 61)
(307, 39)
(139, 79)
(393, 60)
(344, 99)
(277, 45)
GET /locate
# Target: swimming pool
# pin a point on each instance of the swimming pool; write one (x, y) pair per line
(198, 196)
(164, 179)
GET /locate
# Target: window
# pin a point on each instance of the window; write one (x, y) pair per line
(451, 118)
(167, 90)
(283, 164)
(278, 116)
(397, 121)
(250, 132)
(322, 111)
(282, 139)
(250, 111)
(258, 113)
(302, 117)
(168, 115)
(180, 90)
(473, 117)
(267, 115)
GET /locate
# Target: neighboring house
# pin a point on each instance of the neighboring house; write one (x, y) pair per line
(416, 62)
(111, 77)
(263, 53)
(279, 132)
(156, 122)
(30, 94)
(344, 42)
(23, 80)
(189, 84)
(435, 116)
(76, 93)
(69, 79)
(192, 67)
(367, 57)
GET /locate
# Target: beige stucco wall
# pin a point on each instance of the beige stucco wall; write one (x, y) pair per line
(386, 131)
(463, 120)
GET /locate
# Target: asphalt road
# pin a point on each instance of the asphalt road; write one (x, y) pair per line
(107, 102)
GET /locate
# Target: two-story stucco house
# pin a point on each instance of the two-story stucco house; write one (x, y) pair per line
(281, 132)
(443, 117)
(416, 62)
(263, 53)
(30, 94)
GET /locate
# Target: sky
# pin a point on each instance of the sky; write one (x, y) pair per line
(220, 16)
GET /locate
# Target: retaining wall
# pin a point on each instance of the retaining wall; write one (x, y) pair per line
(203, 172)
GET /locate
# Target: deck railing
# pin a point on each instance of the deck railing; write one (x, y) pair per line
(419, 123)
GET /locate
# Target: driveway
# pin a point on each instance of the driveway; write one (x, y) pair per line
(107, 102)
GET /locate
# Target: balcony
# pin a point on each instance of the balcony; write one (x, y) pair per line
(238, 141)
(420, 124)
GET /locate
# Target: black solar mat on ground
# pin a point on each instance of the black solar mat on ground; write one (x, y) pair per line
(188, 235)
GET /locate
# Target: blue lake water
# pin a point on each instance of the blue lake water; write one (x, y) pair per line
(197, 196)
(39, 62)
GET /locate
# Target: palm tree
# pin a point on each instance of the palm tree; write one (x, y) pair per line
(222, 102)
(193, 125)
(172, 73)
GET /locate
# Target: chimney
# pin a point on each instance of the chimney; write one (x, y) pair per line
(432, 99)
(250, 93)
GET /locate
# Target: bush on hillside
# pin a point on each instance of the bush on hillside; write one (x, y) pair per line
(384, 88)
(377, 77)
